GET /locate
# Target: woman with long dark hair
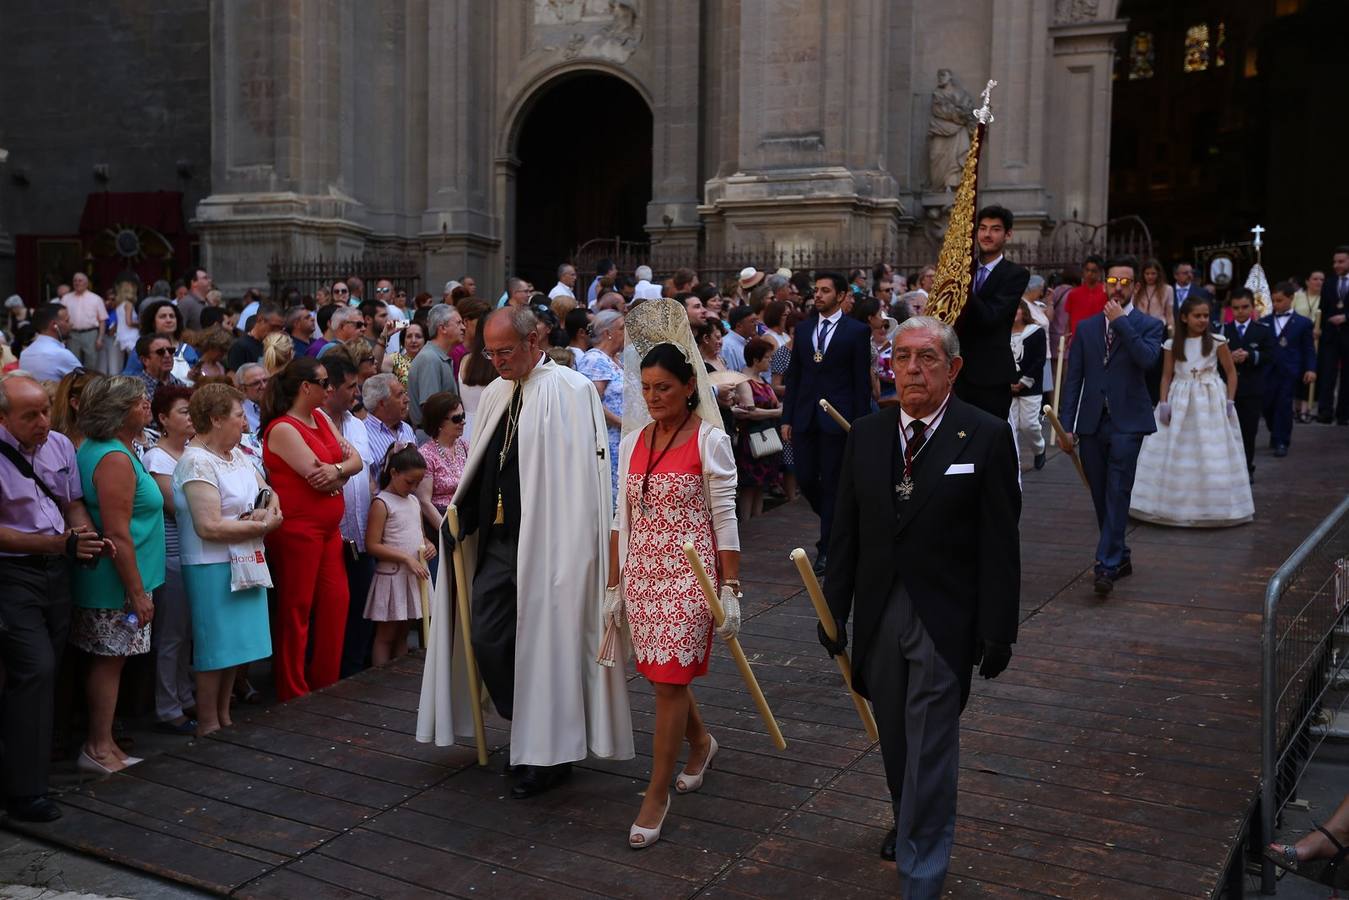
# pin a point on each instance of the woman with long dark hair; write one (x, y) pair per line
(308, 461)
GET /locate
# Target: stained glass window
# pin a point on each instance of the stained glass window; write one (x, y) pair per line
(1220, 48)
(1142, 55)
(1196, 48)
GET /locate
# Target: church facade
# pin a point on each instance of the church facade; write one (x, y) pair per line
(410, 126)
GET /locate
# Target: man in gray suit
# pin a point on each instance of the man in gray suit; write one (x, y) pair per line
(1106, 406)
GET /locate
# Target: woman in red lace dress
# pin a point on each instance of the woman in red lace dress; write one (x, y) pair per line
(307, 463)
(677, 484)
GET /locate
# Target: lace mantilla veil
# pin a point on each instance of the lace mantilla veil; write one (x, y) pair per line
(650, 323)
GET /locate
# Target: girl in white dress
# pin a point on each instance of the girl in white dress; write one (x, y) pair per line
(393, 535)
(1192, 471)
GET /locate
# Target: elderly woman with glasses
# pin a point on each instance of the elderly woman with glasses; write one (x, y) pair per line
(125, 505)
(446, 453)
(308, 461)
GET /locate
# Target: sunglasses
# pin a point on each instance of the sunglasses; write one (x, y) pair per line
(341, 291)
(320, 382)
(381, 290)
(1122, 282)
(162, 351)
(458, 418)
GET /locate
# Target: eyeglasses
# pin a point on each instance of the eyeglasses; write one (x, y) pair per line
(1122, 282)
(320, 382)
(249, 385)
(341, 291)
(458, 418)
(502, 355)
(162, 351)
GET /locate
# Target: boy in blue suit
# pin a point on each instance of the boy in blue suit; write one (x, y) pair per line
(1294, 361)
(1107, 410)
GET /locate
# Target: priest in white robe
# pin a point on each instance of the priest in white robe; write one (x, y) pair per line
(534, 504)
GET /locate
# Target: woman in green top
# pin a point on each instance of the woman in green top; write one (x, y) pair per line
(128, 508)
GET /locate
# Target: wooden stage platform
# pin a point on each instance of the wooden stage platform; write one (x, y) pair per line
(1116, 758)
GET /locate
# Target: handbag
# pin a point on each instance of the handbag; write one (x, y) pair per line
(248, 566)
(765, 442)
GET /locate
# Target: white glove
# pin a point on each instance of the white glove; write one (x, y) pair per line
(1164, 413)
(613, 606)
(1232, 412)
(730, 605)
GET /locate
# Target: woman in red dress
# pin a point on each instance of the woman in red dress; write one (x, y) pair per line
(677, 484)
(307, 462)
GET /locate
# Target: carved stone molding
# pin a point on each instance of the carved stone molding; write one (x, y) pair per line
(604, 29)
(1070, 11)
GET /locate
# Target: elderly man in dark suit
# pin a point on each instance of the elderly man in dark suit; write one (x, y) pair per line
(1107, 407)
(926, 553)
(985, 325)
(831, 360)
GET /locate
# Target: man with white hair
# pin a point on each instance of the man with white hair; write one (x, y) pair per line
(251, 380)
(566, 282)
(88, 322)
(432, 370)
(386, 401)
(925, 553)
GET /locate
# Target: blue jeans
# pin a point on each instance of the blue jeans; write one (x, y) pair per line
(1110, 459)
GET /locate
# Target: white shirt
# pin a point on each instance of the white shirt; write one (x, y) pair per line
(559, 290)
(86, 310)
(931, 422)
(47, 359)
(822, 346)
(356, 492)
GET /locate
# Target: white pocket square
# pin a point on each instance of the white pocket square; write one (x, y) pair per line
(960, 469)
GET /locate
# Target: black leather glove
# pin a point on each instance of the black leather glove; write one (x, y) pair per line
(834, 647)
(993, 658)
(447, 536)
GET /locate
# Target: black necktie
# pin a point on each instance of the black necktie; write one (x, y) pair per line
(915, 443)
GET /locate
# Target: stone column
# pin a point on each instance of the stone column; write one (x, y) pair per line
(459, 234)
(1013, 160)
(1077, 155)
(282, 151)
(812, 128)
(672, 214)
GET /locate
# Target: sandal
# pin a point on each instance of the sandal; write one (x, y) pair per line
(1331, 872)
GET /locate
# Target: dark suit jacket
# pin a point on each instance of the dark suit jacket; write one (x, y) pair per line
(1090, 386)
(955, 544)
(1295, 348)
(1034, 348)
(1195, 291)
(1259, 343)
(985, 326)
(843, 377)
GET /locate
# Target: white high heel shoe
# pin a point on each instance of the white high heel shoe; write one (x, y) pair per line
(648, 836)
(686, 783)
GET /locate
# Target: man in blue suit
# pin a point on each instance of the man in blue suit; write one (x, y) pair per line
(1107, 411)
(831, 360)
(1294, 361)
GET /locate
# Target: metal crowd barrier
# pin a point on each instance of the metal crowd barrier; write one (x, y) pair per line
(1304, 608)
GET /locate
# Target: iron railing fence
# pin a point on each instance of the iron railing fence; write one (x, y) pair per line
(308, 275)
(1304, 609)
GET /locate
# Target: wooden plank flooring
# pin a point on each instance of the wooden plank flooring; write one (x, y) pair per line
(1116, 758)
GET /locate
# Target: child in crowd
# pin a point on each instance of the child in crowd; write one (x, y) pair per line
(1294, 363)
(1029, 349)
(393, 536)
(1252, 346)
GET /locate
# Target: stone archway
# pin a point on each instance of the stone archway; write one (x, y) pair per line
(583, 158)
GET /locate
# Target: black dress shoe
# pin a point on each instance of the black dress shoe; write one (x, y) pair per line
(1104, 584)
(539, 780)
(1039, 461)
(1280, 451)
(32, 809)
(513, 771)
(888, 846)
(1125, 570)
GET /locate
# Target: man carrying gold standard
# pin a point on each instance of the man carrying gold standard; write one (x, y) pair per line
(536, 551)
(934, 592)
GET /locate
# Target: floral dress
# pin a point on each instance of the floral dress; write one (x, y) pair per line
(445, 468)
(598, 366)
(766, 470)
(667, 612)
(782, 358)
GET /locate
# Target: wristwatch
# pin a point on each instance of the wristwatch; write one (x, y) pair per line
(338, 467)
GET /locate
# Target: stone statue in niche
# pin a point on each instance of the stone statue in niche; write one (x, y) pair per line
(948, 132)
(608, 29)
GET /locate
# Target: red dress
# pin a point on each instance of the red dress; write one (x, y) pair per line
(306, 558)
(667, 612)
